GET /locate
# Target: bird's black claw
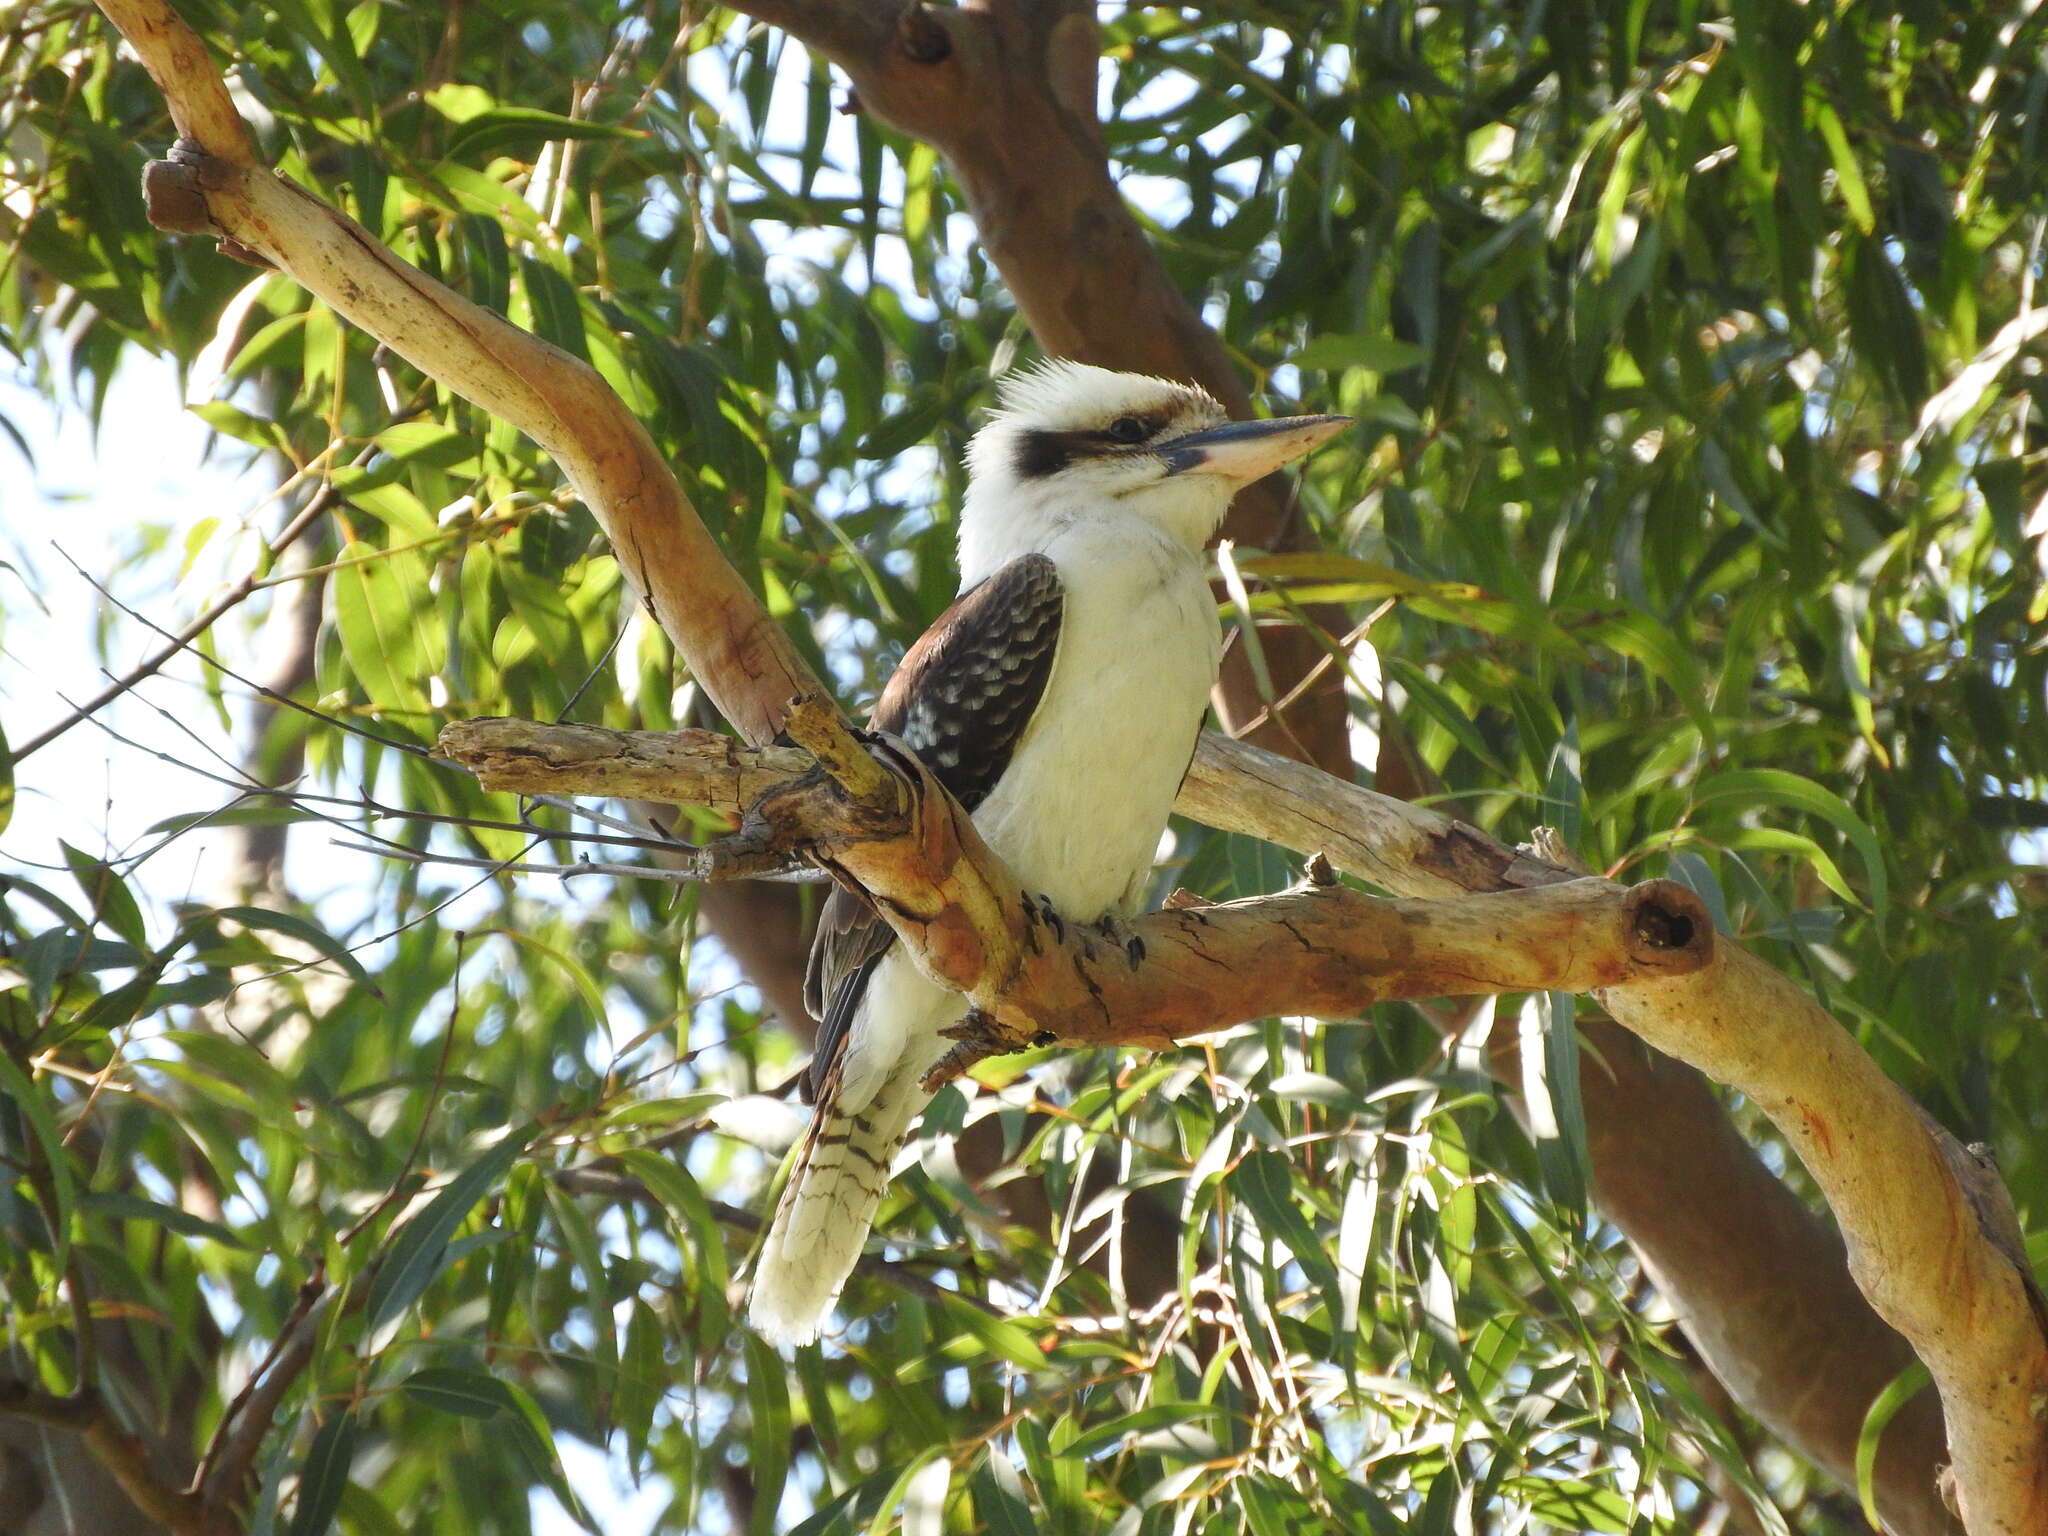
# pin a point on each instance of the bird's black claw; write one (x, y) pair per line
(1053, 920)
(1135, 948)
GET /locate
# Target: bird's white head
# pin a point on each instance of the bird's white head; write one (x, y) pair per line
(1070, 444)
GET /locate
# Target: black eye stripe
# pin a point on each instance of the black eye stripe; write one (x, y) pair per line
(1043, 451)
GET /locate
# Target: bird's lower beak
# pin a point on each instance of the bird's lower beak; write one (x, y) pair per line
(1242, 451)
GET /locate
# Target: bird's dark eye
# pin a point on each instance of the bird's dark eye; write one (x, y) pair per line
(1128, 429)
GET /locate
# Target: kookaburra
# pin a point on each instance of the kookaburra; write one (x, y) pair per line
(1058, 700)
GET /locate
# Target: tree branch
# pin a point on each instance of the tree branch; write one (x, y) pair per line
(740, 656)
(123, 1455)
(893, 831)
(1916, 1230)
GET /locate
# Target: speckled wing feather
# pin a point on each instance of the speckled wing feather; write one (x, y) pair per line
(961, 699)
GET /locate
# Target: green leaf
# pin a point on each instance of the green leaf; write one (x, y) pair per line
(522, 131)
(453, 1389)
(6, 782)
(1264, 1182)
(1159, 1416)
(1000, 1336)
(690, 1213)
(643, 1379)
(1898, 1392)
(1550, 1090)
(415, 1257)
(924, 408)
(767, 1432)
(999, 1497)
(535, 1439)
(125, 1207)
(36, 1111)
(380, 610)
(1776, 786)
(107, 894)
(1848, 174)
(1381, 354)
(263, 918)
(557, 313)
(324, 1475)
(234, 816)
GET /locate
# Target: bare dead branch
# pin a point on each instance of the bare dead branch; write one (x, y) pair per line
(685, 767)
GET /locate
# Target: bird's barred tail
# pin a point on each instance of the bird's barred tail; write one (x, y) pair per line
(826, 1210)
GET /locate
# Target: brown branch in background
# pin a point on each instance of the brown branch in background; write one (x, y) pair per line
(1006, 92)
(276, 737)
(224, 1469)
(124, 1456)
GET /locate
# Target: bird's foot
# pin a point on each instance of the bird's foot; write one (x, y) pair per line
(1049, 915)
(976, 1038)
(1120, 933)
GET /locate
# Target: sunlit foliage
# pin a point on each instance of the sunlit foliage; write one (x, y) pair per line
(1699, 510)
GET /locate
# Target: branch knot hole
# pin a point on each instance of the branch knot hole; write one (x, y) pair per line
(1662, 929)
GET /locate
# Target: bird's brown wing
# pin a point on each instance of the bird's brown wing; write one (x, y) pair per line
(960, 699)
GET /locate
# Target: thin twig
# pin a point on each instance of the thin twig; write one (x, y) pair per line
(227, 1455)
(184, 643)
(702, 869)
(239, 593)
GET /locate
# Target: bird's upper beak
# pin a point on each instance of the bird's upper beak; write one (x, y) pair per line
(1242, 451)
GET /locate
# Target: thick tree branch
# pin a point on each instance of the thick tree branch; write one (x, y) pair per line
(123, 1455)
(1324, 949)
(736, 652)
(1927, 1228)
(1699, 1217)
(1918, 1252)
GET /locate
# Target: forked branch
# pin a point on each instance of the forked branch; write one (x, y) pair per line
(891, 829)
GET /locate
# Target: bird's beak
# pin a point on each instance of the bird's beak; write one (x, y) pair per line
(1242, 451)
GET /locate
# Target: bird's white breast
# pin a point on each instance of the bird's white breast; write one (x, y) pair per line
(1078, 813)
